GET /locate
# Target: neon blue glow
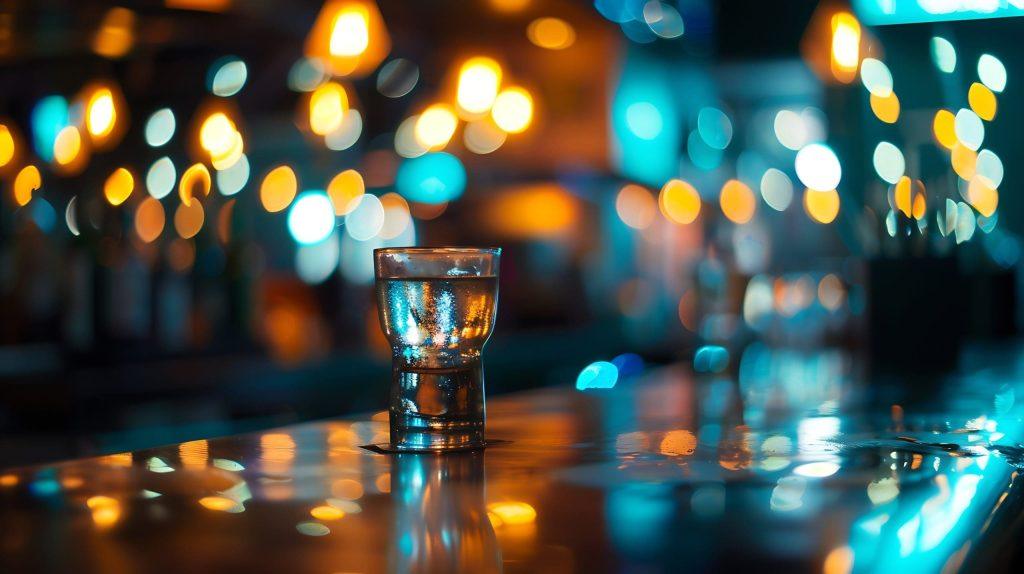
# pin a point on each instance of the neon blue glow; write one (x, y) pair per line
(43, 214)
(710, 359)
(311, 218)
(48, 117)
(881, 12)
(644, 122)
(597, 375)
(432, 178)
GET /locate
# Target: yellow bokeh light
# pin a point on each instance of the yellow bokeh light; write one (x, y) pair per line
(738, 202)
(902, 196)
(196, 177)
(920, 202)
(679, 202)
(218, 503)
(100, 113)
(982, 196)
(435, 126)
(149, 219)
(278, 188)
(845, 46)
(188, 219)
(513, 110)
(119, 186)
(115, 35)
(541, 210)
(821, 206)
(67, 145)
(982, 101)
(105, 510)
(551, 33)
(350, 34)
(27, 181)
(635, 206)
(886, 109)
(326, 512)
(327, 107)
(513, 513)
(964, 161)
(509, 5)
(943, 127)
(7, 146)
(479, 80)
(345, 189)
(220, 138)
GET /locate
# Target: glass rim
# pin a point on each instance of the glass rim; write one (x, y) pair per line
(438, 250)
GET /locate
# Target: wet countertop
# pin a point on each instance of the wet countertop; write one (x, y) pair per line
(791, 462)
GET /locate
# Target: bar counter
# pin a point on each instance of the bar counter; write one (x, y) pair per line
(793, 464)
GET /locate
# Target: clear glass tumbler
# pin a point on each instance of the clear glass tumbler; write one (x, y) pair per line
(437, 309)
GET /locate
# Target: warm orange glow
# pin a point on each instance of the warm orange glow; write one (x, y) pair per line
(396, 216)
(679, 202)
(217, 503)
(428, 211)
(326, 512)
(513, 110)
(886, 109)
(9, 480)
(838, 561)
(100, 114)
(509, 5)
(920, 202)
(347, 489)
(27, 181)
(204, 5)
(902, 196)
(188, 219)
(479, 81)
(542, 210)
(943, 128)
(349, 37)
(551, 33)
(738, 201)
(344, 190)
(635, 206)
(327, 107)
(149, 219)
(278, 188)
(196, 178)
(116, 33)
(7, 146)
(982, 196)
(221, 139)
(845, 46)
(982, 101)
(964, 161)
(67, 146)
(678, 443)
(181, 254)
(513, 513)
(106, 511)
(821, 206)
(194, 453)
(119, 186)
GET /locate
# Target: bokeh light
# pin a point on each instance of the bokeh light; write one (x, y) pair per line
(27, 181)
(397, 217)
(982, 101)
(790, 130)
(67, 146)
(597, 375)
(8, 148)
(278, 188)
(188, 219)
(327, 107)
(964, 161)
(231, 180)
(432, 178)
(306, 75)
(776, 189)
(944, 128)
(714, 127)
(195, 178)
(116, 33)
(992, 72)
(644, 120)
(100, 114)
(478, 84)
(982, 196)
(886, 109)
(344, 191)
(397, 78)
(221, 139)
(818, 167)
(119, 186)
(160, 127)
(846, 35)
(551, 33)
(435, 127)
(663, 19)
(990, 167)
(943, 54)
(366, 219)
(483, 136)
(513, 109)
(49, 117)
(227, 76)
(821, 206)
(161, 177)
(347, 133)
(679, 202)
(970, 130)
(315, 263)
(150, 219)
(636, 206)
(876, 77)
(311, 218)
(903, 196)
(737, 201)
(889, 162)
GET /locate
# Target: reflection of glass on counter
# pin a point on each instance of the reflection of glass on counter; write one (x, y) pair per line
(441, 522)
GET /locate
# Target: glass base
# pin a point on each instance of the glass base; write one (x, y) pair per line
(437, 409)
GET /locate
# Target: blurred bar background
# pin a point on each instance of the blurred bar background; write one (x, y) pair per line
(192, 190)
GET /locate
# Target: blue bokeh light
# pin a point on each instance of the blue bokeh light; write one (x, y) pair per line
(432, 178)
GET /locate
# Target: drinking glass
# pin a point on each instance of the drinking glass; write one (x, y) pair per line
(436, 308)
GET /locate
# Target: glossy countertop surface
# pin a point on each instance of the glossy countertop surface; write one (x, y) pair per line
(789, 463)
